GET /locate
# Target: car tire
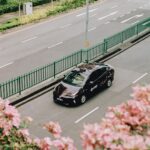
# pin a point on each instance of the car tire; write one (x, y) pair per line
(108, 83)
(82, 99)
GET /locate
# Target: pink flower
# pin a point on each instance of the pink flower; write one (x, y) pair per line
(44, 144)
(54, 128)
(24, 132)
(2, 105)
(141, 94)
(12, 114)
(91, 136)
(64, 143)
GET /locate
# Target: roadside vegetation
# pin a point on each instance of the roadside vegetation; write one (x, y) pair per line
(57, 8)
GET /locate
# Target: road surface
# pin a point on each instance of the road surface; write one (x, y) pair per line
(45, 42)
(131, 68)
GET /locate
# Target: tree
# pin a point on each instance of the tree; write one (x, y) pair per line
(3, 2)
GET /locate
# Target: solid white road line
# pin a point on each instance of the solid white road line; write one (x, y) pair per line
(128, 12)
(136, 16)
(27, 40)
(114, 6)
(65, 26)
(6, 65)
(92, 10)
(141, 7)
(107, 22)
(122, 15)
(92, 15)
(92, 29)
(77, 121)
(140, 78)
(55, 45)
(111, 14)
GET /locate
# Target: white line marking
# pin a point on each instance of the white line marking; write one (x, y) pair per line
(6, 65)
(140, 78)
(92, 10)
(136, 16)
(27, 40)
(55, 45)
(92, 29)
(141, 7)
(87, 114)
(114, 19)
(134, 10)
(80, 14)
(128, 12)
(93, 15)
(111, 14)
(122, 15)
(65, 26)
(107, 22)
(114, 6)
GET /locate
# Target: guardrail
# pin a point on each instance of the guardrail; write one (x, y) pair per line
(28, 80)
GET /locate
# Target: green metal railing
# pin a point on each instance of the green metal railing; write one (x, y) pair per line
(28, 80)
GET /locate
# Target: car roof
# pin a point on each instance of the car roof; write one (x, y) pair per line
(87, 68)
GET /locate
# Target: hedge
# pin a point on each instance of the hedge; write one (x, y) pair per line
(43, 13)
(12, 6)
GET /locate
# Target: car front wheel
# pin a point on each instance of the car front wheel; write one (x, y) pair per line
(109, 83)
(83, 99)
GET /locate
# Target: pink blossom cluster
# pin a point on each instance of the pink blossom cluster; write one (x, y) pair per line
(124, 127)
(12, 128)
(60, 142)
(9, 117)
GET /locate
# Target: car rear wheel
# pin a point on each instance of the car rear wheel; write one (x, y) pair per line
(83, 99)
(109, 83)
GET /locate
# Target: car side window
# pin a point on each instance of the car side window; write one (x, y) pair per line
(96, 74)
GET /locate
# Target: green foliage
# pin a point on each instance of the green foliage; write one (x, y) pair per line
(63, 6)
(9, 24)
(2, 2)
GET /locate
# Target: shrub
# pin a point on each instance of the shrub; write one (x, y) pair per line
(3, 2)
(59, 7)
(10, 24)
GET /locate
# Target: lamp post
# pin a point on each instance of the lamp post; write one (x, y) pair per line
(87, 23)
(52, 4)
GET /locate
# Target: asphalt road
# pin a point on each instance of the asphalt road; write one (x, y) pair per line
(42, 43)
(131, 68)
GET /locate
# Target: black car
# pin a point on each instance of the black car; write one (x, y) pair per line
(82, 81)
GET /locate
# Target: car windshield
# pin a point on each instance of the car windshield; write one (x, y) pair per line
(74, 78)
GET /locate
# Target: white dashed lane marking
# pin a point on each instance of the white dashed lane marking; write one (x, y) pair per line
(77, 121)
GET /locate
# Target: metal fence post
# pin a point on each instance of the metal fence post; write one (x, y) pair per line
(87, 60)
(19, 85)
(105, 47)
(54, 69)
(81, 55)
(137, 29)
(122, 40)
(0, 91)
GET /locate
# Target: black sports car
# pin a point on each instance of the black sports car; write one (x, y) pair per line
(82, 81)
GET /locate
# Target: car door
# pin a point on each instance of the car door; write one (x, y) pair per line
(103, 73)
(93, 80)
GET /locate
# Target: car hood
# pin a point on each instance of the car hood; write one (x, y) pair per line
(66, 90)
